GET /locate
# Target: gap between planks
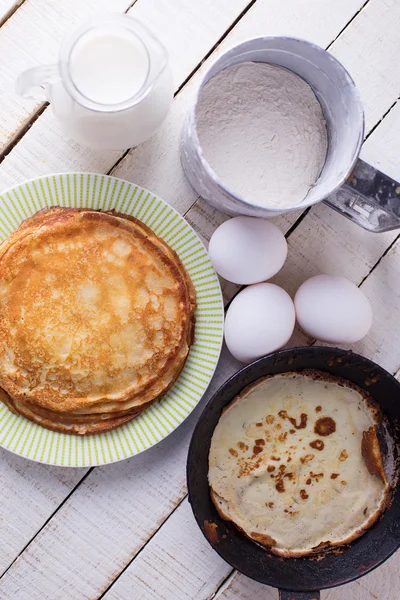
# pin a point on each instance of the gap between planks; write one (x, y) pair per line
(7, 15)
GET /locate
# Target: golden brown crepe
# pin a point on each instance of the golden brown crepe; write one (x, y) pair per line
(295, 463)
(96, 322)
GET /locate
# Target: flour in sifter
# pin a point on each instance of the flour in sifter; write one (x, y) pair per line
(262, 131)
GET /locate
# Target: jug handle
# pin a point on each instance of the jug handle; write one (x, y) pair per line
(34, 83)
(369, 198)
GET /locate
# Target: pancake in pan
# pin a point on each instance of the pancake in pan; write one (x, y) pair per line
(296, 465)
(97, 317)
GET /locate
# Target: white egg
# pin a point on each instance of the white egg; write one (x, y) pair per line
(246, 250)
(332, 309)
(259, 320)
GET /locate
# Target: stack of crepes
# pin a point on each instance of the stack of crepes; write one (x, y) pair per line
(96, 319)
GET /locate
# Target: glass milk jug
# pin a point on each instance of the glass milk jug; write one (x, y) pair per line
(112, 86)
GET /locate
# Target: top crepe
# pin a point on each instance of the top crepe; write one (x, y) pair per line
(96, 319)
(295, 463)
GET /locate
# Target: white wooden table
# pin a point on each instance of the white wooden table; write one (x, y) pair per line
(125, 531)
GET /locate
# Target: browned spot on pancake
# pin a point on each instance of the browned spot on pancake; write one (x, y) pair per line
(343, 456)
(343, 482)
(270, 468)
(211, 531)
(371, 454)
(316, 476)
(325, 426)
(318, 408)
(303, 494)
(260, 442)
(233, 452)
(307, 458)
(282, 437)
(280, 486)
(242, 446)
(303, 421)
(269, 504)
(247, 466)
(275, 458)
(292, 513)
(269, 419)
(308, 482)
(259, 424)
(365, 510)
(317, 445)
(289, 475)
(263, 538)
(292, 431)
(289, 459)
(334, 475)
(278, 426)
(282, 468)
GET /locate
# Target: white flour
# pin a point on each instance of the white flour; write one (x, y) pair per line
(263, 133)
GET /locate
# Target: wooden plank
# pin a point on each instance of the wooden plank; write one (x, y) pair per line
(32, 37)
(190, 34)
(160, 570)
(369, 51)
(30, 493)
(382, 288)
(240, 587)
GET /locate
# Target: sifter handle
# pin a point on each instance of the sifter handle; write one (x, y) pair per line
(369, 198)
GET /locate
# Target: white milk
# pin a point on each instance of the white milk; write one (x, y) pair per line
(109, 69)
(111, 88)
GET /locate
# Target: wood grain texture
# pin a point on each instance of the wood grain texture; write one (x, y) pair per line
(29, 494)
(366, 50)
(31, 37)
(161, 568)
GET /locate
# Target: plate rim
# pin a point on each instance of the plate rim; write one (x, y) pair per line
(218, 350)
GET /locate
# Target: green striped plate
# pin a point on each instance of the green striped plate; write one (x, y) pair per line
(102, 192)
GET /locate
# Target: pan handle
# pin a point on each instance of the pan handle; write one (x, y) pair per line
(298, 595)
